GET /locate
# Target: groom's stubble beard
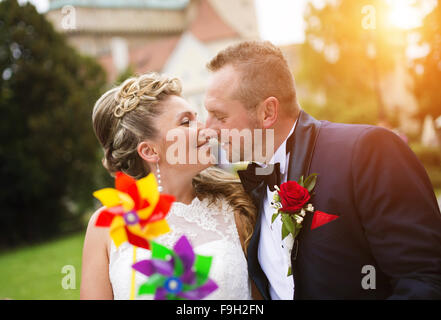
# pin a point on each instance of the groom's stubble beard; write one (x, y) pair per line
(239, 143)
(249, 144)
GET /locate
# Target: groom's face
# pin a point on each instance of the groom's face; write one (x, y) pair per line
(225, 112)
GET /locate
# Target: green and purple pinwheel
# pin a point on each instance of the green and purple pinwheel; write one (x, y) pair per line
(176, 274)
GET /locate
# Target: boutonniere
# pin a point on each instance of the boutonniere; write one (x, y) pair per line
(292, 201)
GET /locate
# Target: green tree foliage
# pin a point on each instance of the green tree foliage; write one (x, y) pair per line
(427, 70)
(49, 155)
(346, 52)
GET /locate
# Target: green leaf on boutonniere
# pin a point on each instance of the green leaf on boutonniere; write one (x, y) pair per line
(285, 231)
(273, 218)
(288, 223)
(296, 233)
(301, 182)
(310, 182)
(276, 197)
(289, 272)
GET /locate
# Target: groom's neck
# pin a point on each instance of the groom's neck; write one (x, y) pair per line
(281, 129)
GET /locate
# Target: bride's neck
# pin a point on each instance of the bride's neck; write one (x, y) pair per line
(180, 187)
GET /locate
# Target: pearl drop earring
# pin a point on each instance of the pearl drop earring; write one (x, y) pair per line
(158, 177)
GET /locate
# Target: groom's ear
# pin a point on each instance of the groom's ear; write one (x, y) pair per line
(269, 111)
(147, 152)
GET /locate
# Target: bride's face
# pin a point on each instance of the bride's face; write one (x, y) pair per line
(181, 141)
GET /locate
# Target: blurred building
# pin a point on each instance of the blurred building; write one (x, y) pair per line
(176, 37)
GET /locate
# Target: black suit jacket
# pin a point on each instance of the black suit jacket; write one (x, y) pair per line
(388, 217)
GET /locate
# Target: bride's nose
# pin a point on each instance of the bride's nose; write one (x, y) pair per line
(200, 125)
(202, 136)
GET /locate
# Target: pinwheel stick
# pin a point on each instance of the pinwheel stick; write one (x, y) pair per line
(132, 288)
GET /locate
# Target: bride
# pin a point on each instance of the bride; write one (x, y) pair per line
(131, 122)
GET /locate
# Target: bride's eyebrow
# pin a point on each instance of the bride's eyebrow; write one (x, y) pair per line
(186, 113)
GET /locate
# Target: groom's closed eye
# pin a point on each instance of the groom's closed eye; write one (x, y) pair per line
(220, 116)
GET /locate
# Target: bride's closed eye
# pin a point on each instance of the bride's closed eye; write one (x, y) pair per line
(187, 119)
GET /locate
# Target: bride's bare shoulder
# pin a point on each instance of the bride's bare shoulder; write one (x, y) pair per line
(99, 236)
(93, 218)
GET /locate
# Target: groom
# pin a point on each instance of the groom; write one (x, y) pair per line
(383, 236)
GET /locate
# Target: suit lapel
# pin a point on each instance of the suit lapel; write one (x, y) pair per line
(303, 144)
(300, 158)
(254, 269)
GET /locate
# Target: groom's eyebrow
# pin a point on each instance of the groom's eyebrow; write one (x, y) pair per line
(216, 112)
(219, 114)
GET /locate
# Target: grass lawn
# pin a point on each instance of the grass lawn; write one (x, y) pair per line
(35, 273)
(438, 193)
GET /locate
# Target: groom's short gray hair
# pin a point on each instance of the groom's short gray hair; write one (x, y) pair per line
(264, 72)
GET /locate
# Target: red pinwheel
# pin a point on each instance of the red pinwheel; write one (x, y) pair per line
(134, 211)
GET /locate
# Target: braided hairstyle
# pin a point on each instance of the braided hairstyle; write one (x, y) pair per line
(124, 116)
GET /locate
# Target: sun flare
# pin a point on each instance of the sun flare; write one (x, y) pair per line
(403, 14)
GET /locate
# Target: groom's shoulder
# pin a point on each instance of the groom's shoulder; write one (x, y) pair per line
(341, 127)
(354, 134)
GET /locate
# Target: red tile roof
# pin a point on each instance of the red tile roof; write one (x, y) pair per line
(209, 26)
(145, 58)
(154, 55)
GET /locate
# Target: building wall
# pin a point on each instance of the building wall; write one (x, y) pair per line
(95, 27)
(240, 14)
(97, 45)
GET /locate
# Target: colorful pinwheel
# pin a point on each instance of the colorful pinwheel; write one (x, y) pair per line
(176, 274)
(134, 211)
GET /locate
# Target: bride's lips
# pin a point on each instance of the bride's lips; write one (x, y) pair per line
(202, 144)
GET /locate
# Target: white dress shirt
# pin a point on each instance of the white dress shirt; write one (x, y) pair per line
(272, 254)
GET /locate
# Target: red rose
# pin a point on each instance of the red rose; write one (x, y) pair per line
(293, 196)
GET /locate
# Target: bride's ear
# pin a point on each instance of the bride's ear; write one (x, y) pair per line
(147, 152)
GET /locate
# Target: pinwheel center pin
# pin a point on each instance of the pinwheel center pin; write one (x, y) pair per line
(173, 285)
(131, 218)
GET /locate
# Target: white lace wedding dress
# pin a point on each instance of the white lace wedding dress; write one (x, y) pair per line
(211, 231)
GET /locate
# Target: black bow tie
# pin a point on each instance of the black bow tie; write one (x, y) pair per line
(250, 180)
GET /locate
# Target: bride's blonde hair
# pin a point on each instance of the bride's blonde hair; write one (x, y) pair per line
(124, 116)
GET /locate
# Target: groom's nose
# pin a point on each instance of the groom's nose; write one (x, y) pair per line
(210, 123)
